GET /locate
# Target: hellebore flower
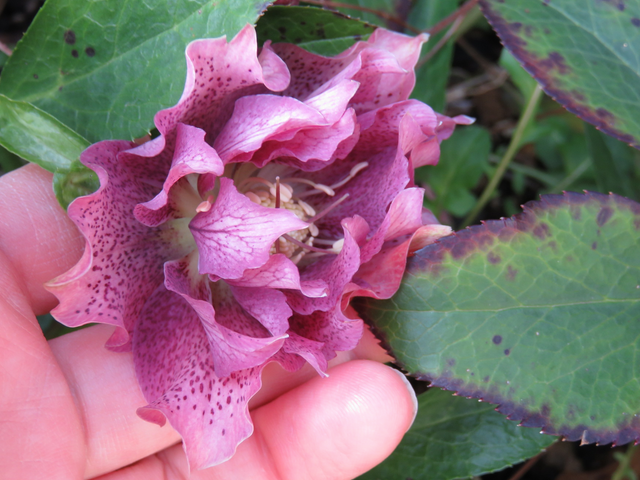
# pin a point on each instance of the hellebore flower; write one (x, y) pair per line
(280, 186)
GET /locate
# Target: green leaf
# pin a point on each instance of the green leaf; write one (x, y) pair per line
(453, 437)
(38, 137)
(613, 162)
(584, 54)
(537, 313)
(105, 68)
(387, 8)
(432, 76)
(463, 159)
(319, 31)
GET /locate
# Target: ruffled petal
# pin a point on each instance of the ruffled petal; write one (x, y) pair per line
(236, 234)
(218, 73)
(122, 262)
(264, 127)
(335, 270)
(191, 155)
(392, 260)
(383, 66)
(332, 329)
(237, 340)
(267, 306)
(175, 370)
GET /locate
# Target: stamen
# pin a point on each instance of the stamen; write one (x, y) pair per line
(354, 171)
(277, 192)
(289, 238)
(313, 230)
(316, 186)
(285, 193)
(253, 197)
(323, 241)
(328, 209)
(308, 209)
(206, 205)
(249, 180)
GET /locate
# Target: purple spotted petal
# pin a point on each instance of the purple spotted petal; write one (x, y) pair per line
(237, 234)
(333, 329)
(335, 270)
(191, 155)
(118, 271)
(174, 365)
(266, 305)
(237, 345)
(219, 73)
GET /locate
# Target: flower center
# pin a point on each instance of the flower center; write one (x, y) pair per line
(289, 193)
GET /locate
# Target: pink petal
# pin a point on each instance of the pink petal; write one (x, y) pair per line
(266, 305)
(335, 270)
(383, 66)
(191, 155)
(237, 340)
(280, 272)
(261, 124)
(446, 125)
(174, 366)
(332, 328)
(392, 260)
(218, 73)
(309, 350)
(237, 234)
(122, 262)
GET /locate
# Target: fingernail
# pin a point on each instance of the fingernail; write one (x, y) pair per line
(412, 393)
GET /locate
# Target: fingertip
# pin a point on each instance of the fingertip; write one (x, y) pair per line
(338, 427)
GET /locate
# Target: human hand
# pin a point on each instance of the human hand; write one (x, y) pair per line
(67, 407)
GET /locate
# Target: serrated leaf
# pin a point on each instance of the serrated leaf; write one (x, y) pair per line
(453, 437)
(463, 159)
(584, 54)
(537, 313)
(38, 137)
(319, 31)
(105, 68)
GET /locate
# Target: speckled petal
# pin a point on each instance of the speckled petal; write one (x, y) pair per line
(236, 234)
(218, 73)
(392, 260)
(280, 272)
(332, 329)
(335, 270)
(238, 341)
(264, 127)
(174, 366)
(191, 155)
(383, 66)
(122, 262)
(308, 350)
(266, 305)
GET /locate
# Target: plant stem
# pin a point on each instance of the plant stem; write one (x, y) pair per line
(513, 148)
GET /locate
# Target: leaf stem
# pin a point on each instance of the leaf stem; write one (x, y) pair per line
(512, 149)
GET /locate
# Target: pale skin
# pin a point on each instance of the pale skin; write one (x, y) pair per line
(67, 407)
